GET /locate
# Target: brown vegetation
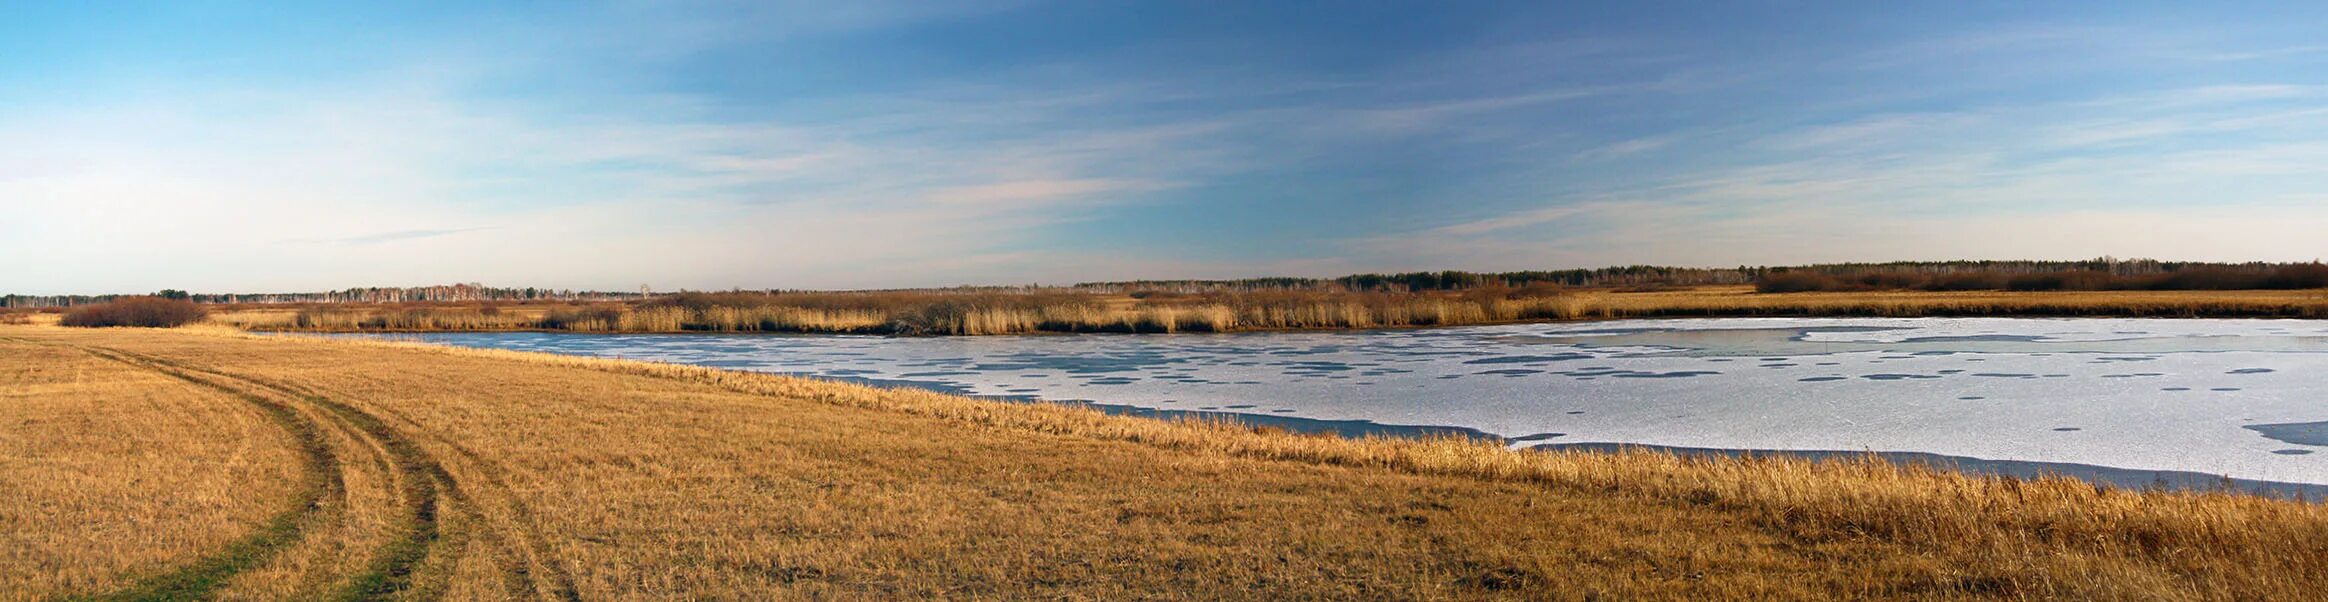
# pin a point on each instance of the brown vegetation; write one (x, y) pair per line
(143, 312)
(961, 313)
(2197, 278)
(1745, 302)
(546, 476)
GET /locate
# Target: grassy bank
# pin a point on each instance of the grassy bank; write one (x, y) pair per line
(943, 313)
(536, 476)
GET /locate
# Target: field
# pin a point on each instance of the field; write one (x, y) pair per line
(188, 463)
(946, 313)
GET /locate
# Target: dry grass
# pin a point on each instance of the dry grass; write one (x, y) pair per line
(256, 318)
(624, 480)
(113, 473)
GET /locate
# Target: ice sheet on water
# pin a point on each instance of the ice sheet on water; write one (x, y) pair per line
(2186, 395)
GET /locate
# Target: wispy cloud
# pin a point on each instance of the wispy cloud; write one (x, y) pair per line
(1019, 194)
(1426, 115)
(1623, 148)
(2011, 40)
(1522, 219)
(387, 237)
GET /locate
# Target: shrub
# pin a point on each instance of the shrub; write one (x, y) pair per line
(1794, 282)
(2061, 281)
(2204, 279)
(1891, 281)
(2303, 275)
(1967, 281)
(14, 317)
(146, 312)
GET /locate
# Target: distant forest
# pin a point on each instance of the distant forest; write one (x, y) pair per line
(2093, 274)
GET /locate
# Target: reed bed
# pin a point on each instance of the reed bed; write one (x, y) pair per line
(952, 314)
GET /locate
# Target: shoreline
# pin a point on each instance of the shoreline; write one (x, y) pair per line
(2123, 478)
(2133, 479)
(2115, 476)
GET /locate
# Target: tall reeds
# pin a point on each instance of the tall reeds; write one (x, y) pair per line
(966, 313)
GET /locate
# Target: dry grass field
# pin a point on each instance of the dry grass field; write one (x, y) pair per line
(190, 463)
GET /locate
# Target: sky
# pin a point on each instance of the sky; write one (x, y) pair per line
(246, 147)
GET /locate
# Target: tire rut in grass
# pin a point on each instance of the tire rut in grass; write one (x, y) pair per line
(425, 480)
(392, 571)
(203, 577)
(522, 539)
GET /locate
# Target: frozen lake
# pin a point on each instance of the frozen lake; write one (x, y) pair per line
(2246, 399)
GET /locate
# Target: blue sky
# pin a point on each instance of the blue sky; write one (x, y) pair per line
(246, 147)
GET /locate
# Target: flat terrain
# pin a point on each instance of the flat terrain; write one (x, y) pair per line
(146, 464)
